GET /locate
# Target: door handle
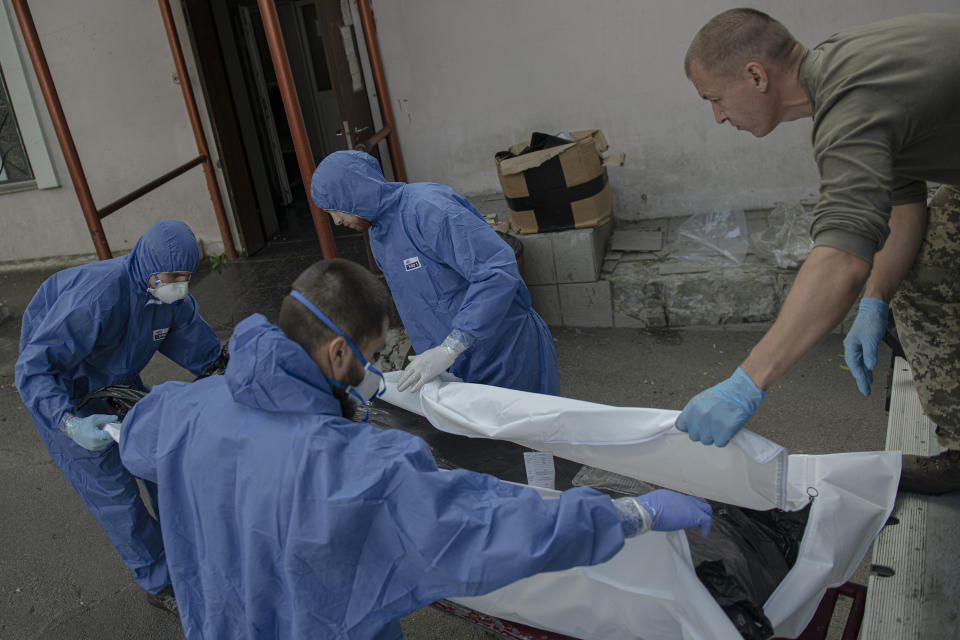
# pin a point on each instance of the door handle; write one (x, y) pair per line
(344, 132)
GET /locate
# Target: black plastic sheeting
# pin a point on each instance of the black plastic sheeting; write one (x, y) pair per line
(538, 142)
(495, 457)
(747, 554)
(218, 366)
(118, 398)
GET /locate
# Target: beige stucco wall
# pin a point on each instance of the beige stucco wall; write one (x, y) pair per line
(470, 78)
(115, 76)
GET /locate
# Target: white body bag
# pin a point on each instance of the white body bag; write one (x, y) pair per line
(650, 589)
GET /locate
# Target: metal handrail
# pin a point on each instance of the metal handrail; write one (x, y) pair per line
(103, 212)
(281, 63)
(90, 212)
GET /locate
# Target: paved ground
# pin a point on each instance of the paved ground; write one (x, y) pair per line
(61, 579)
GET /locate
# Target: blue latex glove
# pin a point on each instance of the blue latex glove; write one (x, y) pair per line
(861, 344)
(714, 416)
(663, 510)
(88, 432)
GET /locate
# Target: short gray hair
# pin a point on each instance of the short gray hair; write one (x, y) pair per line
(737, 36)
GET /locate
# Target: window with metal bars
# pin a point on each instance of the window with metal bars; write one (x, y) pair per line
(14, 163)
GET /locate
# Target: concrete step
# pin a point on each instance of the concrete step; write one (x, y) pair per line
(640, 275)
(679, 293)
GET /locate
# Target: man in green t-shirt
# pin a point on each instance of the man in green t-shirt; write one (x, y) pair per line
(886, 119)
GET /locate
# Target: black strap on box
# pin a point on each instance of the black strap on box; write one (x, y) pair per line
(550, 197)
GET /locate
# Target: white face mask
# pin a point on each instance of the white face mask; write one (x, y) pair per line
(372, 386)
(169, 292)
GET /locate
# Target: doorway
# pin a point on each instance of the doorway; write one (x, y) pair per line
(249, 121)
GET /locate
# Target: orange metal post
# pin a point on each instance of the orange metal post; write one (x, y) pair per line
(380, 85)
(49, 90)
(212, 186)
(291, 103)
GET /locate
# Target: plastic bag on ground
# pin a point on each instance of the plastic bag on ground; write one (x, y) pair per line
(718, 237)
(786, 240)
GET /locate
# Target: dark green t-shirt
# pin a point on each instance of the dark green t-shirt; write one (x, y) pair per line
(886, 118)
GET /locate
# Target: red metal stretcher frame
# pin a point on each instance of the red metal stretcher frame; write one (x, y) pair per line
(816, 630)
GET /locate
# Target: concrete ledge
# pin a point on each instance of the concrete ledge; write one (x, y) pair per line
(749, 293)
(585, 304)
(893, 607)
(52, 263)
(919, 600)
(205, 250)
(649, 288)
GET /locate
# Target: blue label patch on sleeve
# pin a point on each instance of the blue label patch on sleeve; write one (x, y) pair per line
(410, 264)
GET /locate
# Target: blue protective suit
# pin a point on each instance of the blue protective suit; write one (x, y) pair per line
(282, 519)
(447, 269)
(96, 325)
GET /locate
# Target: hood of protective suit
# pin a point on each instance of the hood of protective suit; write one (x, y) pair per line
(269, 371)
(352, 182)
(168, 245)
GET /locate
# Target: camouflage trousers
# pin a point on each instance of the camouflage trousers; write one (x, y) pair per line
(926, 309)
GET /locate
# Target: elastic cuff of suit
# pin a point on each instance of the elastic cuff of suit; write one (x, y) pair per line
(458, 341)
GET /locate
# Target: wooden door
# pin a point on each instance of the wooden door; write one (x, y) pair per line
(341, 43)
(248, 210)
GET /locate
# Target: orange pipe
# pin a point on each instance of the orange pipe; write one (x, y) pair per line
(380, 85)
(147, 188)
(49, 90)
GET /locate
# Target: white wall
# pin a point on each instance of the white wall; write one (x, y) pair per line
(468, 78)
(114, 73)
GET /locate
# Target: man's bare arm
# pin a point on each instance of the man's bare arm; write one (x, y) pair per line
(827, 284)
(908, 224)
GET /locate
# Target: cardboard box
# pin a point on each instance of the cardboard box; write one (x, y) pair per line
(559, 187)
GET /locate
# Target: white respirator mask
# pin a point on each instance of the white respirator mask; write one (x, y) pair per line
(373, 384)
(169, 292)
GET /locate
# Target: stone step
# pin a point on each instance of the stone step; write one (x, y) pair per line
(639, 282)
(676, 293)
